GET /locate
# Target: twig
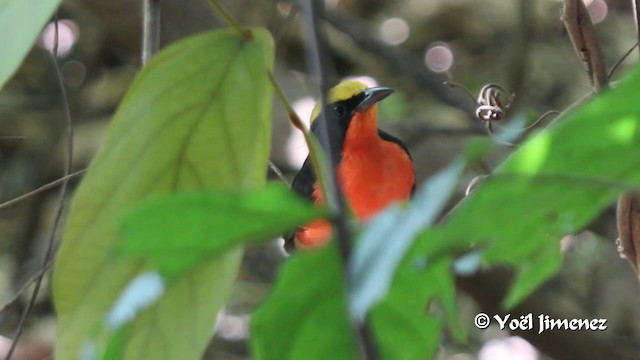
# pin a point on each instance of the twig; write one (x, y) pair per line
(636, 17)
(42, 188)
(63, 192)
(583, 36)
(150, 29)
(404, 63)
(278, 173)
(623, 58)
(24, 287)
(318, 59)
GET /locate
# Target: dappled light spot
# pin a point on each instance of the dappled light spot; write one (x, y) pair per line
(439, 58)
(624, 129)
(533, 156)
(142, 291)
(511, 348)
(394, 31)
(68, 35)
(232, 327)
(597, 9)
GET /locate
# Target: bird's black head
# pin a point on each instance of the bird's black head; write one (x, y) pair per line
(343, 101)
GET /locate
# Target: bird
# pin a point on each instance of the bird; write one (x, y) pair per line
(374, 169)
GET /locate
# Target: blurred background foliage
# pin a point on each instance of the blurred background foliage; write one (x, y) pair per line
(410, 45)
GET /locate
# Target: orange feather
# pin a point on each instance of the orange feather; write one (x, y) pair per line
(373, 173)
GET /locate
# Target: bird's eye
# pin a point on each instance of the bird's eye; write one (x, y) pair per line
(338, 109)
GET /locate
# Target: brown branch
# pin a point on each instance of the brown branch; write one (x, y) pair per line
(319, 63)
(628, 216)
(583, 36)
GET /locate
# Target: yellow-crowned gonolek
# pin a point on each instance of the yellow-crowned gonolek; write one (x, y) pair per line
(374, 168)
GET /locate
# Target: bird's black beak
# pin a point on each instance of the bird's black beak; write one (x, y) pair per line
(372, 96)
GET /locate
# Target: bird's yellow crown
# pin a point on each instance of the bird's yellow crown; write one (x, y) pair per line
(343, 91)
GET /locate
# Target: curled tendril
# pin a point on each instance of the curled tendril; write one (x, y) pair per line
(492, 104)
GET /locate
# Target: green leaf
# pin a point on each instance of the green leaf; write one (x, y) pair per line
(21, 21)
(190, 233)
(554, 185)
(196, 118)
(403, 327)
(305, 316)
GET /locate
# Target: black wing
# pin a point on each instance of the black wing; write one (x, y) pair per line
(302, 185)
(388, 137)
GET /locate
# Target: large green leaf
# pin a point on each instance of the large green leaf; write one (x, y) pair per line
(187, 238)
(553, 186)
(196, 117)
(306, 315)
(21, 21)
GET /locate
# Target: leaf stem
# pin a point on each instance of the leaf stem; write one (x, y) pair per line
(230, 20)
(315, 153)
(318, 60)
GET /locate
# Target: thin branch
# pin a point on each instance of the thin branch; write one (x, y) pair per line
(298, 124)
(583, 36)
(404, 63)
(622, 59)
(276, 170)
(24, 287)
(318, 60)
(42, 188)
(63, 192)
(150, 29)
(636, 17)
